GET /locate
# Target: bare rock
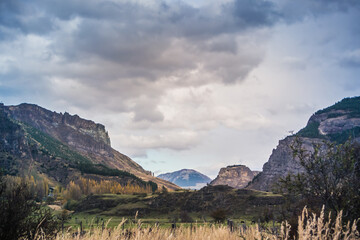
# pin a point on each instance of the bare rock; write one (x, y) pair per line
(236, 176)
(336, 124)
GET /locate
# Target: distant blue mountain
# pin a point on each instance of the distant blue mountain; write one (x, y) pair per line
(186, 178)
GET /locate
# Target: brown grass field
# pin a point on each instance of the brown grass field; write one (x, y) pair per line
(311, 227)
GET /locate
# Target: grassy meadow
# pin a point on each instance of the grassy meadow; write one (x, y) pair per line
(310, 226)
(106, 224)
(114, 209)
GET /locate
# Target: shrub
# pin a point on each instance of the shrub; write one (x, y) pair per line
(185, 217)
(331, 177)
(164, 190)
(219, 215)
(50, 200)
(71, 205)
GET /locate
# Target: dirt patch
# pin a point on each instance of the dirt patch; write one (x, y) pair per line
(55, 207)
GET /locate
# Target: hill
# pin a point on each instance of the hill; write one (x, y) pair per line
(236, 176)
(336, 123)
(61, 147)
(187, 178)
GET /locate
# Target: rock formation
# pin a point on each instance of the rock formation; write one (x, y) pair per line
(236, 176)
(336, 124)
(280, 164)
(61, 144)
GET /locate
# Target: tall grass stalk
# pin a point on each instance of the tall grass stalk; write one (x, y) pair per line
(310, 227)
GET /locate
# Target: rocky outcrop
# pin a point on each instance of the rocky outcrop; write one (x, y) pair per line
(83, 135)
(236, 176)
(336, 124)
(280, 164)
(187, 178)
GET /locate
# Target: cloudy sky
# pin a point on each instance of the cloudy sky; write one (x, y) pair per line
(183, 83)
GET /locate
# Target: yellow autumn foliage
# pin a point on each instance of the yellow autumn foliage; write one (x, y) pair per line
(86, 186)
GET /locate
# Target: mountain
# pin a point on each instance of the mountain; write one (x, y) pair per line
(336, 124)
(187, 178)
(60, 147)
(236, 176)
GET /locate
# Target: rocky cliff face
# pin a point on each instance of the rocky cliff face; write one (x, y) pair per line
(336, 123)
(60, 144)
(187, 178)
(237, 176)
(83, 135)
(280, 164)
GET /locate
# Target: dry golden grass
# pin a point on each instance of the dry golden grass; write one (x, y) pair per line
(311, 227)
(316, 228)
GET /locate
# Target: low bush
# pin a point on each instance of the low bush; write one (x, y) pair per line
(71, 205)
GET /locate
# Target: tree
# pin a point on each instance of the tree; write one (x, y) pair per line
(164, 190)
(185, 217)
(20, 215)
(73, 191)
(331, 178)
(16, 204)
(219, 215)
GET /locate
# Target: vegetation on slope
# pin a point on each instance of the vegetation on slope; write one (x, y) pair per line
(343, 136)
(56, 149)
(310, 131)
(349, 107)
(9, 134)
(52, 154)
(8, 163)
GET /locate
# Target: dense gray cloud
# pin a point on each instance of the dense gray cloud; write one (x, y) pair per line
(176, 18)
(298, 10)
(254, 13)
(351, 59)
(106, 46)
(128, 46)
